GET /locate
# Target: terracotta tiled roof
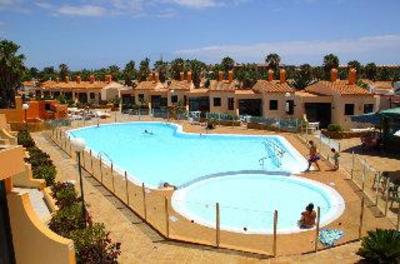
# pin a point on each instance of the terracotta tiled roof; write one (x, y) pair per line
(180, 85)
(386, 85)
(150, 86)
(341, 87)
(74, 85)
(222, 86)
(272, 87)
(29, 83)
(245, 92)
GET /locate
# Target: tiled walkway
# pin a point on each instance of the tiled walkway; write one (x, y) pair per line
(140, 244)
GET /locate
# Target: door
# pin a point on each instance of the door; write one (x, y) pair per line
(252, 107)
(6, 245)
(319, 112)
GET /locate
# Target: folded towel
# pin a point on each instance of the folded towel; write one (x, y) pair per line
(328, 237)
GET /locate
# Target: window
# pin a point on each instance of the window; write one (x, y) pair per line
(289, 107)
(47, 107)
(92, 95)
(217, 101)
(174, 99)
(368, 108)
(273, 104)
(141, 98)
(349, 109)
(231, 103)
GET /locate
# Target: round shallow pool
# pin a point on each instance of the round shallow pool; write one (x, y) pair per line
(247, 202)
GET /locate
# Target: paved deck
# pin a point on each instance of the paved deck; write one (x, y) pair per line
(140, 244)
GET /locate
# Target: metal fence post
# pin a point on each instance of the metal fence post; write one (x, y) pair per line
(144, 201)
(364, 176)
(378, 175)
(352, 164)
(274, 246)
(166, 206)
(317, 228)
(217, 225)
(398, 217)
(112, 176)
(126, 187)
(361, 218)
(387, 196)
(101, 170)
(91, 160)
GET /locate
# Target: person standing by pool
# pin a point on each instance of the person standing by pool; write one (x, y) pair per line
(308, 217)
(335, 158)
(313, 157)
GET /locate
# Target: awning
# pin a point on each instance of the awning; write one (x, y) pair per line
(391, 112)
(371, 118)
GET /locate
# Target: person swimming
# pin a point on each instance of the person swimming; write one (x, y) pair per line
(148, 132)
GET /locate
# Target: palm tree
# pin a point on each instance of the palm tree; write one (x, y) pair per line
(330, 61)
(303, 76)
(11, 71)
(370, 71)
(273, 60)
(162, 68)
(144, 69)
(64, 71)
(129, 72)
(177, 66)
(227, 63)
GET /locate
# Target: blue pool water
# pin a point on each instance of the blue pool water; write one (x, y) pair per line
(178, 158)
(250, 176)
(247, 201)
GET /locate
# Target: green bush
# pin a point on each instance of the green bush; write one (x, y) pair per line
(381, 246)
(46, 172)
(64, 193)
(67, 220)
(334, 128)
(93, 245)
(25, 139)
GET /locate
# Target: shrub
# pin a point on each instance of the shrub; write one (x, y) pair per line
(67, 220)
(64, 193)
(93, 245)
(381, 246)
(46, 172)
(25, 139)
(334, 128)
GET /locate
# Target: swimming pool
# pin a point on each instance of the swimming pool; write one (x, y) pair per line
(170, 155)
(249, 175)
(247, 201)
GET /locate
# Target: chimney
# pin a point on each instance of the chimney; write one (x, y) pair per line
(352, 76)
(108, 78)
(270, 75)
(282, 76)
(334, 73)
(156, 77)
(92, 79)
(78, 79)
(220, 76)
(181, 76)
(230, 76)
(66, 78)
(57, 80)
(189, 76)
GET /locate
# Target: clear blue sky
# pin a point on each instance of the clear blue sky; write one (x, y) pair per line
(97, 33)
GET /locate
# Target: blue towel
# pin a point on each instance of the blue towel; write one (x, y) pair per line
(328, 237)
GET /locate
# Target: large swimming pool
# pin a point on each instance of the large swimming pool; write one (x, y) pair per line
(170, 155)
(250, 176)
